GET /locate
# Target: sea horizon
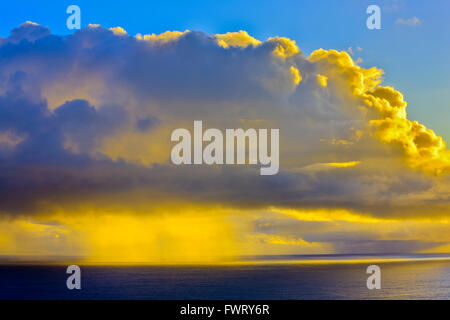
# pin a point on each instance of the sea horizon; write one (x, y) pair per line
(343, 277)
(239, 260)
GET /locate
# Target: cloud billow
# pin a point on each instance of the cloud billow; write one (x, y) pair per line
(85, 123)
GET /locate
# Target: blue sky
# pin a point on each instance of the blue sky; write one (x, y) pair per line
(414, 58)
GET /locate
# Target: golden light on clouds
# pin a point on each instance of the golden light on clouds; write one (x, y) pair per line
(322, 80)
(86, 152)
(423, 148)
(164, 237)
(236, 39)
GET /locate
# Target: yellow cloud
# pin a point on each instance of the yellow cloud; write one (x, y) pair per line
(162, 236)
(318, 167)
(296, 76)
(340, 66)
(27, 237)
(284, 47)
(286, 240)
(327, 215)
(322, 80)
(143, 148)
(236, 39)
(118, 31)
(94, 26)
(343, 164)
(162, 38)
(422, 147)
(124, 227)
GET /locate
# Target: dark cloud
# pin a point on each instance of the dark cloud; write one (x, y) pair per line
(63, 96)
(28, 31)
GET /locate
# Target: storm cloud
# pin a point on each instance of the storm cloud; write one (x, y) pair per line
(85, 122)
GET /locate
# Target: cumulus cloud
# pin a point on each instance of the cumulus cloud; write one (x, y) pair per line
(29, 31)
(411, 22)
(85, 124)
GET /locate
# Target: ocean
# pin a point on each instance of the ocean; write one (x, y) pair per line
(287, 278)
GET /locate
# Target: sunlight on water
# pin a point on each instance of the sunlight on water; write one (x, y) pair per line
(428, 279)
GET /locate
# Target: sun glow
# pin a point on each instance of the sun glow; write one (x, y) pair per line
(124, 238)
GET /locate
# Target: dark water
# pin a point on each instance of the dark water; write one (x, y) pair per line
(400, 280)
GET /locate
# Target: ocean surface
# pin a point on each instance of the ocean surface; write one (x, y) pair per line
(412, 277)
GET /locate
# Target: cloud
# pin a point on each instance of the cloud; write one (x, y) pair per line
(29, 31)
(85, 124)
(411, 22)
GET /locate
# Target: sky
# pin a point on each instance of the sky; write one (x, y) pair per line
(86, 118)
(313, 24)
